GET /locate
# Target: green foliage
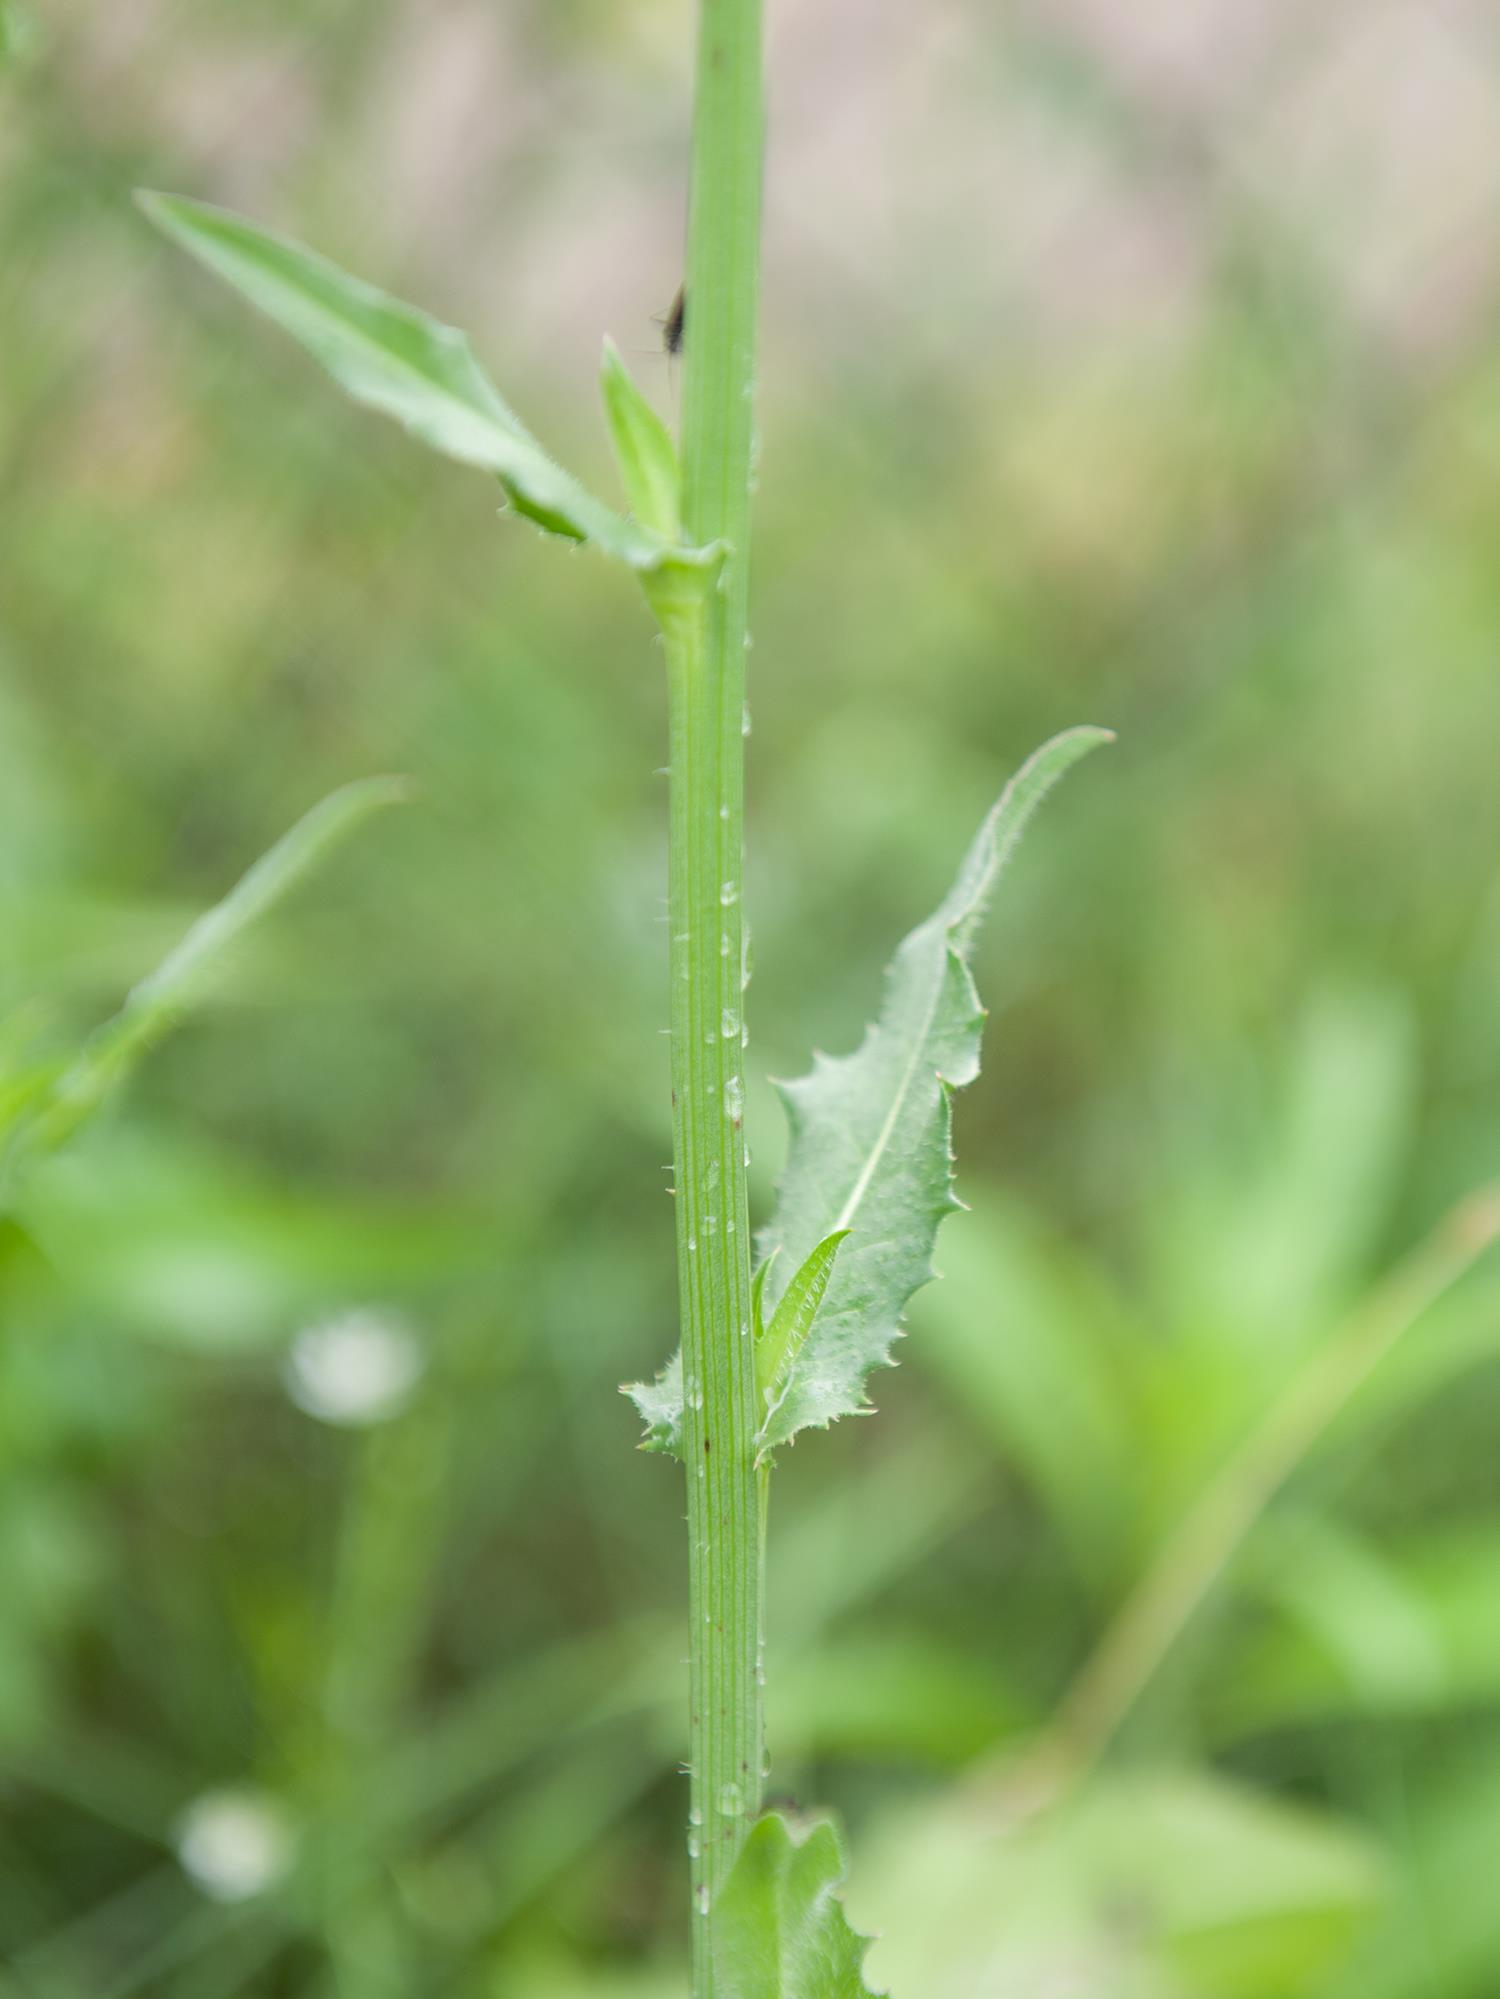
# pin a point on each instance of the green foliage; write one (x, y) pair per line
(46, 1107)
(644, 450)
(1249, 1034)
(396, 359)
(659, 1402)
(781, 1931)
(1151, 1885)
(781, 1342)
(871, 1151)
(870, 1134)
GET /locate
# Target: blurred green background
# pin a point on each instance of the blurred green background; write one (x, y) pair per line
(1136, 366)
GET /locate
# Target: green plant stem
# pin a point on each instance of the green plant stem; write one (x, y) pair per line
(706, 671)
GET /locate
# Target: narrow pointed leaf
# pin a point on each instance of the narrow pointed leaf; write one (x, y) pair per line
(780, 1343)
(179, 982)
(393, 358)
(644, 450)
(780, 1931)
(870, 1143)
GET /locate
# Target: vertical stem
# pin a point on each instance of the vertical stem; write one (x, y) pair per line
(706, 662)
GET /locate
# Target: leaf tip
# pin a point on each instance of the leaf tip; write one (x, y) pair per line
(390, 788)
(165, 211)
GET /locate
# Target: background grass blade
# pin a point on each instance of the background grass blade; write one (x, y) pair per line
(160, 1000)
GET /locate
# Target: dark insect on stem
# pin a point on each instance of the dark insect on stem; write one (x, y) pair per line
(675, 321)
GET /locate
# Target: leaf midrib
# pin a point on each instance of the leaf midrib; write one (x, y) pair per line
(887, 1131)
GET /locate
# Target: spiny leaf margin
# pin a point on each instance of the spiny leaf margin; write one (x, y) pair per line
(777, 1345)
(850, 1139)
(779, 1928)
(659, 1405)
(871, 1133)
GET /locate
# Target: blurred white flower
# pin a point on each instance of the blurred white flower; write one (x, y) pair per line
(234, 1844)
(356, 1369)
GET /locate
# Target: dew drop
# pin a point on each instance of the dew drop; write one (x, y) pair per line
(694, 1845)
(745, 721)
(731, 1801)
(692, 1244)
(734, 1097)
(724, 944)
(711, 1174)
(695, 1817)
(729, 1023)
(729, 894)
(700, 1898)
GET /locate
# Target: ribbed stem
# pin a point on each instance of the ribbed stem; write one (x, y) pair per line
(706, 661)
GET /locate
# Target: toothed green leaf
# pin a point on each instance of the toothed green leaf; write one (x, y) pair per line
(644, 450)
(870, 1149)
(870, 1132)
(659, 1405)
(393, 358)
(779, 1926)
